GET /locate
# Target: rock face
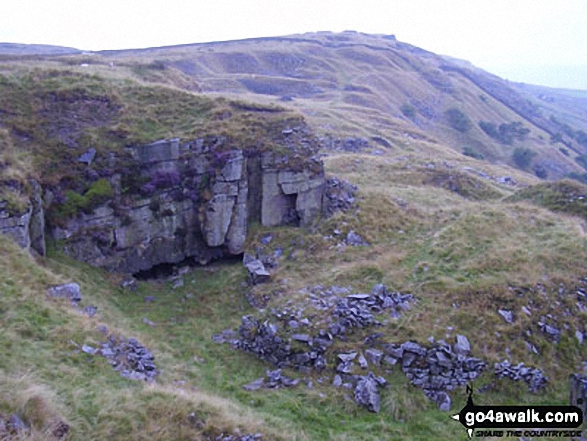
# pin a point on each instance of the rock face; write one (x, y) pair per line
(194, 201)
(27, 228)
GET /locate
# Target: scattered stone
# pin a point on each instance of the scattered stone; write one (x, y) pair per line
(257, 271)
(103, 329)
(462, 346)
(580, 336)
(345, 358)
(129, 283)
(178, 283)
(444, 402)
(374, 356)
(148, 322)
(531, 347)
(266, 239)
(354, 240)
(89, 349)
(345, 367)
(87, 157)
(150, 299)
(302, 337)
(90, 310)
(507, 315)
(362, 361)
(274, 380)
(255, 385)
(337, 382)
(129, 357)
(533, 377)
(552, 332)
(248, 437)
(70, 291)
(61, 430)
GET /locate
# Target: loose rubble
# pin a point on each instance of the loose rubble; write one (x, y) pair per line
(127, 356)
(356, 310)
(262, 339)
(438, 369)
(301, 334)
(533, 377)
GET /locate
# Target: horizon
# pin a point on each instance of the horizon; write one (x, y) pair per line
(533, 42)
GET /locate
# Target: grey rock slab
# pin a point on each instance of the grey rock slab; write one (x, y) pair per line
(347, 357)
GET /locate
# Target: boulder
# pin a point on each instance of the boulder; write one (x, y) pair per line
(257, 272)
(70, 291)
(367, 394)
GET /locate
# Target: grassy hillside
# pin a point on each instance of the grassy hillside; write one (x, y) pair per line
(445, 247)
(465, 236)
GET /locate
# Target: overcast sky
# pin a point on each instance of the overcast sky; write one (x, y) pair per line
(534, 41)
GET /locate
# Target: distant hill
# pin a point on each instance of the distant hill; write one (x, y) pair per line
(374, 86)
(35, 49)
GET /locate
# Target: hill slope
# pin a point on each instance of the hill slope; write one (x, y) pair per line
(487, 251)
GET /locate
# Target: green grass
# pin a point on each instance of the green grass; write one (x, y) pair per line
(565, 196)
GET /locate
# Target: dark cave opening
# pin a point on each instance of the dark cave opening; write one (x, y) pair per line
(166, 270)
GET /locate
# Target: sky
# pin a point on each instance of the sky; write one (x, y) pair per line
(532, 41)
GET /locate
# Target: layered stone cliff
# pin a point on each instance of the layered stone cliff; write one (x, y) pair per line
(193, 200)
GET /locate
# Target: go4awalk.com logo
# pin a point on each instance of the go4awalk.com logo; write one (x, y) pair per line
(526, 421)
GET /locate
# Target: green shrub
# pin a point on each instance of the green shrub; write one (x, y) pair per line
(458, 120)
(540, 171)
(408, 110)
(98, 193)
(522, 157)
(469, 151)
(506, 133)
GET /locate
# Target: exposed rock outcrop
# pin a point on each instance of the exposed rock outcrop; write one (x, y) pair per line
(194, 201)
(27, 227)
